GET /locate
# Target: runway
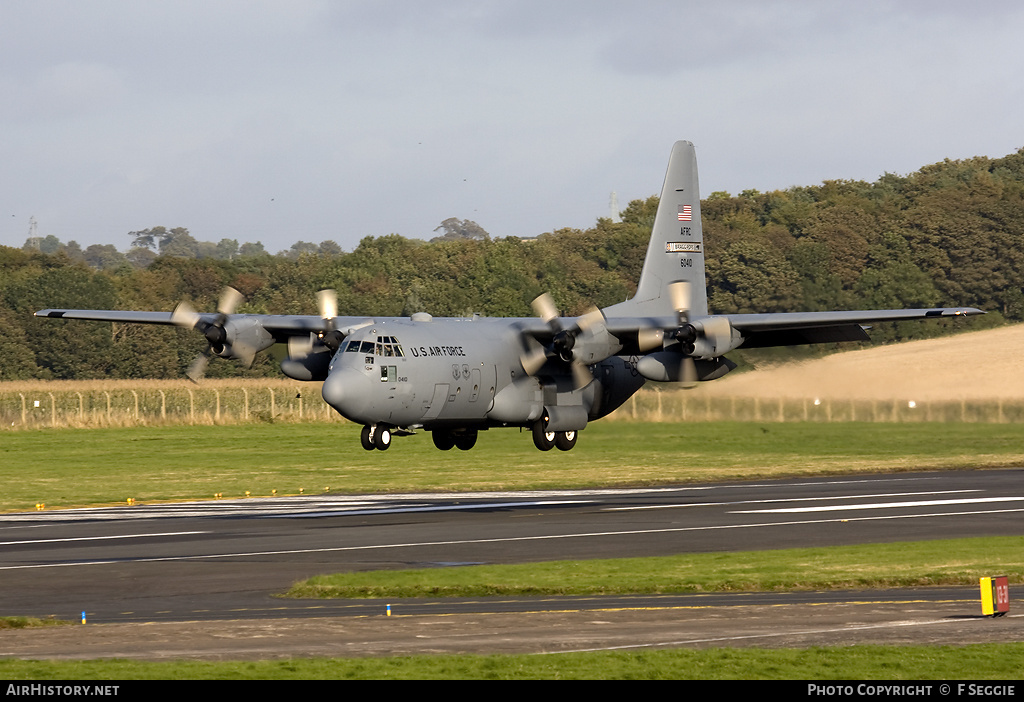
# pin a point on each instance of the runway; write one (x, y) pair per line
(225, 560)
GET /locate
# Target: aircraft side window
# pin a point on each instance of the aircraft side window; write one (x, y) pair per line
(366, 347)
(351, 347)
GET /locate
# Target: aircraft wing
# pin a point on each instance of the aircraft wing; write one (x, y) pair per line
(791, 328)
(794, 328)
(281, 326)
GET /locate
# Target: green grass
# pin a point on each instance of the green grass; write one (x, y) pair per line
(941, 562)
(974, 662)
(64, 468)
(76, 467)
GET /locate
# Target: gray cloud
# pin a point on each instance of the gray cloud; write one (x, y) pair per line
(278, 121)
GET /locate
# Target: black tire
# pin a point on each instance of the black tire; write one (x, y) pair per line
(565, 440)
(366, 439)
(443, 439)
(382, 438)
(542, 438)
(465, 441)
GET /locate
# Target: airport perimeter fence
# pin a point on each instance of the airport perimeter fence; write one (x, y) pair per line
(152, 403)
(698, 406)
(120, 403)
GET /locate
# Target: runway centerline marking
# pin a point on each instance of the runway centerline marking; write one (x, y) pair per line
(510, 539)
(878, 505)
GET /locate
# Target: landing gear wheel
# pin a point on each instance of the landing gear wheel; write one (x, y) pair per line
(565, 440)
(542, 438)
(382, 438)
(465, 441)
(366, 438)
(443, 440)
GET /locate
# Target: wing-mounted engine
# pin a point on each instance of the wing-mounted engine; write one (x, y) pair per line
(693, 351)
(580, 345)
(309, 357)
(227, 336)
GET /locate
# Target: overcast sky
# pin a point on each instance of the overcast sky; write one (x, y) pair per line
(313, 119)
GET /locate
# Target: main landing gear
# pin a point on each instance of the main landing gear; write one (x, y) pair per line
(376, 437)
(546, 440)
(447, 440)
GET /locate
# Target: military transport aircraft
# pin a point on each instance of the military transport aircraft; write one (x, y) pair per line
(550, 374)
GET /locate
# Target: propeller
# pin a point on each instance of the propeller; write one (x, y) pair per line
(327, 300)
(680, 293)
(185, 316)
(563, 341)
(327, 340)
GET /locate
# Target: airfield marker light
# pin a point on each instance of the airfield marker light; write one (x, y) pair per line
(246, 493)
(911, 404)
(40, 506)
(389, 610)
(83, 616)
(817, 402)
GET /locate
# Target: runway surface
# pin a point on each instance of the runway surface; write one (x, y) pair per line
(224, 560)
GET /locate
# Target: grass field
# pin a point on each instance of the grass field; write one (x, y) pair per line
(901, 564)
(975, 662)
(77, 467)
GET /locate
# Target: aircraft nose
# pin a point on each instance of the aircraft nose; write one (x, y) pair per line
(347, 391)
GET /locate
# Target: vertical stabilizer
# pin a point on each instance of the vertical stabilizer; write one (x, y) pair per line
(676, 249)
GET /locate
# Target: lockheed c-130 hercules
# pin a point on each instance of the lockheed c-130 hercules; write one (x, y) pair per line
(549, 374)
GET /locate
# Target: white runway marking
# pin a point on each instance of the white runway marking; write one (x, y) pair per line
(511, 539)
(101, 538)
(426, 508)
(879, 505)
(817, 498)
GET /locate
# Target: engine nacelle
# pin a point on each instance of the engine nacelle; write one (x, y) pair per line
(709, 338)
(242, 338)
(594, 343)
(667, 367)
(313, 366)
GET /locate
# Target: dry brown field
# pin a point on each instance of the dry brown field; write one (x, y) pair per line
(983, 365)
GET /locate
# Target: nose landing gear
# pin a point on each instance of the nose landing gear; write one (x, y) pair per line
(377, 436)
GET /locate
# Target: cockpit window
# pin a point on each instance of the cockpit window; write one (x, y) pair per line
(381, 346)
(389, 346)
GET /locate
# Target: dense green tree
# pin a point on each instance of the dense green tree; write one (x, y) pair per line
(455, 228)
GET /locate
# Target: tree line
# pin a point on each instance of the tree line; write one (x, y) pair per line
(950, 234)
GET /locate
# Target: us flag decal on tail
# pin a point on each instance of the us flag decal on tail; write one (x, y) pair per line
(685, 213)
